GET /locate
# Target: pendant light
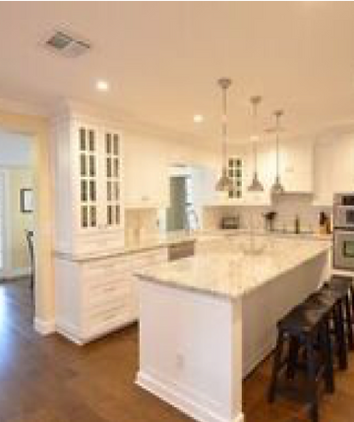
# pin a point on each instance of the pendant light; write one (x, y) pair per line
(224, 184)
(277, 188)
(256, 185)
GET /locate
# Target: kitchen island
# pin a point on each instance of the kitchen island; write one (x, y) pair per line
(208, 320)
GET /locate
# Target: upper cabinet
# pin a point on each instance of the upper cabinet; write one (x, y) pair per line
(146, 173)
(88, 186)
(296, 166)
(334, 168)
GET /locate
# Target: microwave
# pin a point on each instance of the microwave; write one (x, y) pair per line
(343, 199)
(343, 211)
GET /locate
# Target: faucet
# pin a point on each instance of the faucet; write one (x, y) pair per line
(188, 226)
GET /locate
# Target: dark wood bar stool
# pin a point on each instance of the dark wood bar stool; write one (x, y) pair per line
(342, 287)
(306, 327)
(336, 318)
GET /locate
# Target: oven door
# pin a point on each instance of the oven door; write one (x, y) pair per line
(343, 251)
(343, 217)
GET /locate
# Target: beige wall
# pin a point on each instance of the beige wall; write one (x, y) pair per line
(19, 178)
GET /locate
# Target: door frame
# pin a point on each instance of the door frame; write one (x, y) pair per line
(38, 128)
(5, 229)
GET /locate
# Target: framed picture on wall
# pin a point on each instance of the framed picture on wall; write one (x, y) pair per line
(26, 200)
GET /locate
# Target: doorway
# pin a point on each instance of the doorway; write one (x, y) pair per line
(176, 213)
(2, 223)
(16, 213)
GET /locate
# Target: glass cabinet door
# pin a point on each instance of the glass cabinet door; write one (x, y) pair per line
(112, 149)
(235, 172)
(87, 138)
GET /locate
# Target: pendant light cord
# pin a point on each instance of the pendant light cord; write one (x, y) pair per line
(255, 134)
(224, 126)
(277, 143)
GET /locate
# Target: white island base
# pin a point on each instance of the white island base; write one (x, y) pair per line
(196, 347)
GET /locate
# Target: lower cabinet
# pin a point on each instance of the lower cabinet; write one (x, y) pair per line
(99, 295)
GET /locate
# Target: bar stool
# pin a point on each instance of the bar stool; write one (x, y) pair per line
(306, 326)
(326, 295)
(343, 287)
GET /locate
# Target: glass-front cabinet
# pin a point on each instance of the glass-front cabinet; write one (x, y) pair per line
(235, 173)
(99, 174)
(89, 202)
(88, 157)
(112, 171)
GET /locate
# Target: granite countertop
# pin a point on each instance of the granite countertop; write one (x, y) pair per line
(172, 238)
(154, 242)
(226, 270)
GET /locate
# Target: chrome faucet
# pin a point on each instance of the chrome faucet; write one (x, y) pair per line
(188, 226)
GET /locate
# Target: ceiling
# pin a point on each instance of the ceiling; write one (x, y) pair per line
(162, 60)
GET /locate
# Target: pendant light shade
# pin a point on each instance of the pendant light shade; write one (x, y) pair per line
(224, 184)
(277, 188)
(256, 185)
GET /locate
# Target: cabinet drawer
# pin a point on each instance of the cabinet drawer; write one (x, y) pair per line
(149, 258)
(101, 268)
(115, 307)
(102, 293)
(101, 322)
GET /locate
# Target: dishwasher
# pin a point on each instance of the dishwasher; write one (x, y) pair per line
(181, 250)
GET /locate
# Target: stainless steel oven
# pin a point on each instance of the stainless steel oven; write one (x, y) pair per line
(343, 210)
(343, 253)
(343, 234)
(343, 217)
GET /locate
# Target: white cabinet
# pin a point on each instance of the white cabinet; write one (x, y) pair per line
(88, 186)
(296, 166)
(100, 295)
(146, 174)
(334, 168)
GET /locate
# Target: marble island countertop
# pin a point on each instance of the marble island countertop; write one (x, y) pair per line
(172, 238)
(228, 269)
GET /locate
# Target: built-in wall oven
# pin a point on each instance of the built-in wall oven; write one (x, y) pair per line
(343, 233)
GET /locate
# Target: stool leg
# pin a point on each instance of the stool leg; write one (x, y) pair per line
(340, 336)
(352, 300)
(292, 357)
(276, 367)
(348, 319)
(311, 374)
(328, 358)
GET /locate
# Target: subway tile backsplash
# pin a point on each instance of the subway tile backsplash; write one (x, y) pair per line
(286, 206)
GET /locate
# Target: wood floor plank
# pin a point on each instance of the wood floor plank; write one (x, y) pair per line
(52, 380)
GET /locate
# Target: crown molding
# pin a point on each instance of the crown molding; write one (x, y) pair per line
(20, 107)
(127, 122)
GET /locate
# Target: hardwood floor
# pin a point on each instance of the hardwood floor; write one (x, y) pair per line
(51, 380)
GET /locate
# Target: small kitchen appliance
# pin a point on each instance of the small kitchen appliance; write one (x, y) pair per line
(343, 233)
(269, 218)
(229, 223)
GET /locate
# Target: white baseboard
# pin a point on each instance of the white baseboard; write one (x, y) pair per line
(44, 327)
(197, 411)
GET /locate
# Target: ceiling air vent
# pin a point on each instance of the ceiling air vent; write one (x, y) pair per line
(66, 45)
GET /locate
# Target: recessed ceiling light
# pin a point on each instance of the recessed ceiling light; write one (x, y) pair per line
(102, 85)
(198, 118)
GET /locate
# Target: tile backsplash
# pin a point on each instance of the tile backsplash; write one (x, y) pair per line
(286, 206)
(140, 224)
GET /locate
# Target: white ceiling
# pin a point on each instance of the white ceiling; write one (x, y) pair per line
(15, 150)
(162, 60)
